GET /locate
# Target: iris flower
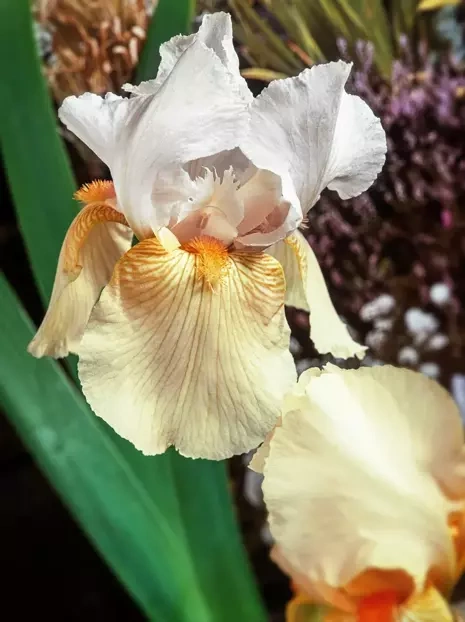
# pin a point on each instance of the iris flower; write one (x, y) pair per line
(187, 344)
(364, 480)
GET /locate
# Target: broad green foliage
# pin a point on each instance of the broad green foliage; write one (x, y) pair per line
(172, 18)
(37, 167)
(164, 524)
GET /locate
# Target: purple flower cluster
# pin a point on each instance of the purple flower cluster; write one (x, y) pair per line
(405, 237)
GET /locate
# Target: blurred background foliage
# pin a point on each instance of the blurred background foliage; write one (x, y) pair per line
(393, 259)
(282, 37)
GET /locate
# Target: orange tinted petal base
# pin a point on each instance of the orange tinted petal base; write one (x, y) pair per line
(93, 244)
(78, 232)
(168, 360)
(378, 607)
(212, 259)
(299, 608)
(96, 191)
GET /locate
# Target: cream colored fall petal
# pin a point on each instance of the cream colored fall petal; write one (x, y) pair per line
(306, 289)
(168, 360)
(434, 436)
(427, 607)
(95, 241)
(346, 486)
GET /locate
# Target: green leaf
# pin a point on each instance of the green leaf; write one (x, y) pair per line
(403, 17)
(265, 75)
(171, 536)
(36, 163)
(315, 27)
(218, 554)
(369, 21)
(136, 535)
(165, 524)
(171, 17)
(304, 36)
(248, 16)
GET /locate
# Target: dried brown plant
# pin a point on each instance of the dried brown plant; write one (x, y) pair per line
(95, 44)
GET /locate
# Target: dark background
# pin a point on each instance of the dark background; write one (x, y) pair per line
(48, 566)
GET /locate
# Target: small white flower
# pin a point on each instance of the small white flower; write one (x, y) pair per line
(253, 488)
(384, 323)
(407, 356)
(438, 342)
(418, 322)
(440, 293)
(432, 370)
(382, 305)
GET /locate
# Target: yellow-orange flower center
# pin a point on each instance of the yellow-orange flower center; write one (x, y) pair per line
(99, 190)
(379, 607)
(212, 258)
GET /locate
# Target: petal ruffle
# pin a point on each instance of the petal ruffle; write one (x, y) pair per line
(168, 360)
(306, 289)
(329, 139)
(216, 33)
(97, 121)
(197, 113)
(221, 162)
(95, 241)
(146, 140)
(208, 192)
(345, 488)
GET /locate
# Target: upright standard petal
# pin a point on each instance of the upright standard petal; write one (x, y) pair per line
(95, 241)
(216, 33)
(171, 357)
(306, 289)
(97, 121)
(310, 128)
(351, 502)
(196, 113)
